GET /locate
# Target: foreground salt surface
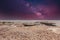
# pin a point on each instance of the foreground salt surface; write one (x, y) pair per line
(40, 32)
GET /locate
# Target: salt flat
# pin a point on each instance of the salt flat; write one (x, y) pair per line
(17, 31)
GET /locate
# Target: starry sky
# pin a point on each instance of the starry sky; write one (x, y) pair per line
(30, 9)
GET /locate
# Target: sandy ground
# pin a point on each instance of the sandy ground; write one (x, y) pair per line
(36, 32)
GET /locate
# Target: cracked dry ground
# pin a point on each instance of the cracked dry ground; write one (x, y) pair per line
(27, 33)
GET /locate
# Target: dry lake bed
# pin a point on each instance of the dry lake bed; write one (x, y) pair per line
(30, 30)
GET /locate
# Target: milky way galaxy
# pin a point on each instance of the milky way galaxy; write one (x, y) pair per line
(30, 9)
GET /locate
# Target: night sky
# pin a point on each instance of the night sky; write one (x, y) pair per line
(30, 9)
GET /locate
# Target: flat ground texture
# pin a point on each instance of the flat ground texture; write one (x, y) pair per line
(36, 32)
